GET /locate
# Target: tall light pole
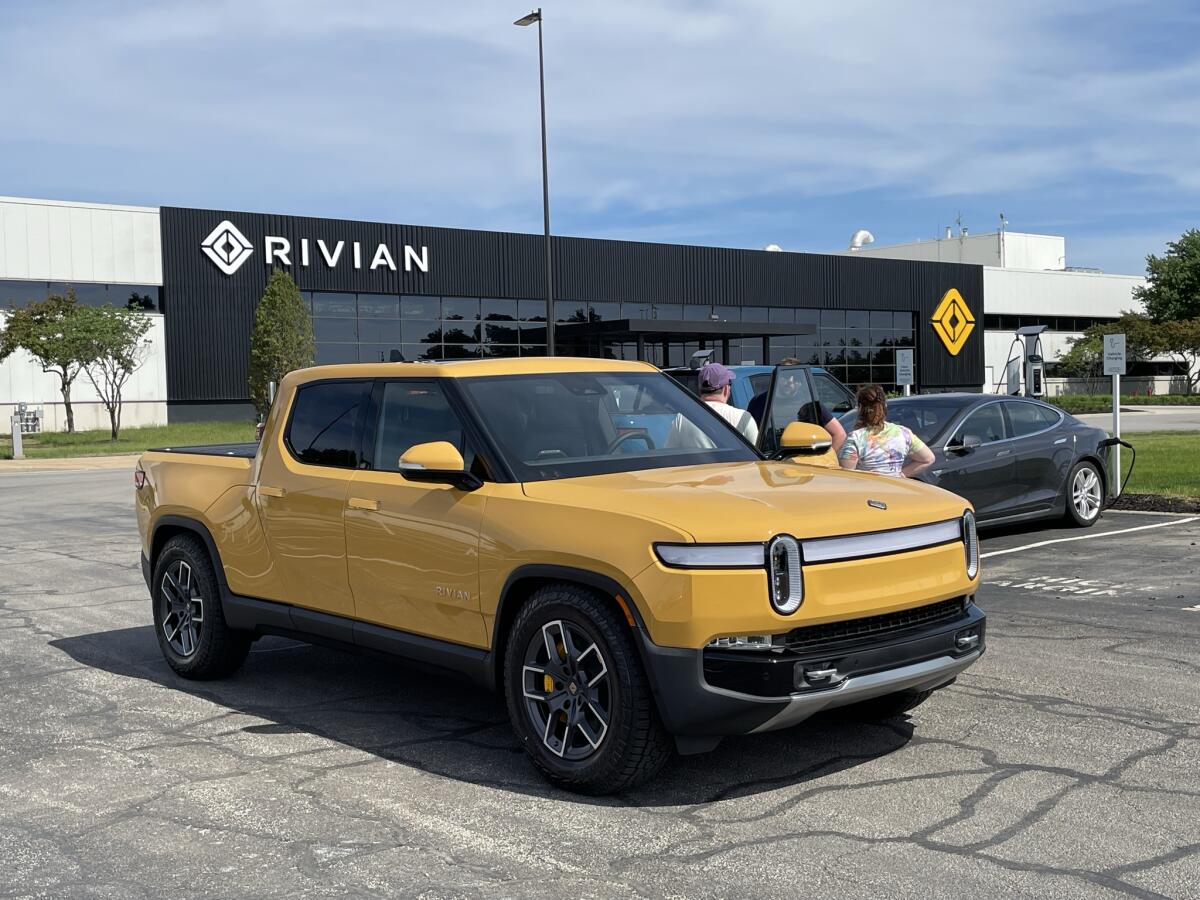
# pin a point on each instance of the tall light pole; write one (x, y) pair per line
(536, 16)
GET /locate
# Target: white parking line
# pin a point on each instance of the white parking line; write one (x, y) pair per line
(1085, 537)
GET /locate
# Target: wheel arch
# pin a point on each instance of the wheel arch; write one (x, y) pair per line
(169, 526)
(523, 581)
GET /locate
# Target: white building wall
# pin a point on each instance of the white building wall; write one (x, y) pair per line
(145, 395)
(1012, 249)
(51, 240)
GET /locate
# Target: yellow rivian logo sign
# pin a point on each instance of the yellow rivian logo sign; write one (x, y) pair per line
(952, 321)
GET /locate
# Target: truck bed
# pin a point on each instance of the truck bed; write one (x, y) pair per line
(244, 451)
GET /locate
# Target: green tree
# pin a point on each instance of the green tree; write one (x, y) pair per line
(116, 349)
(49, 330)
(1181, 341)
(1172, 290)
(282, 339)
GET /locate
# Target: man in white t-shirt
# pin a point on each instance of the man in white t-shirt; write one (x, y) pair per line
(714, 390)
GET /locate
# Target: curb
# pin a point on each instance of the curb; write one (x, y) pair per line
(67, 464)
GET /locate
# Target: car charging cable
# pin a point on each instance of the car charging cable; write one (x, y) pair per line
(1113, 442)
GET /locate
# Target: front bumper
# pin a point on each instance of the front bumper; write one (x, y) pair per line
(917, 659)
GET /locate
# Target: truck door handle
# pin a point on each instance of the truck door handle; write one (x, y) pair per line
(362, 503)
(1001, 453)
(268, 491)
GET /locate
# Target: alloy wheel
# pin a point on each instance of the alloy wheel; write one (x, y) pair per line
(182, 609)
(567, 689)
(1086, 493)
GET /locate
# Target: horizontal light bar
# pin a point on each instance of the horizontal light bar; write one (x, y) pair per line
(712, 556)
(878, 543)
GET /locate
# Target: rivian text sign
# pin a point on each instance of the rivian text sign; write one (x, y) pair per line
(228, 249)
(1114, 354)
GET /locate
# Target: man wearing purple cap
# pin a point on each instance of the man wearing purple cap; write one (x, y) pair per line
(714, 390)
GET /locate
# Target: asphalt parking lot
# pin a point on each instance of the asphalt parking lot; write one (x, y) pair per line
(1063, 765)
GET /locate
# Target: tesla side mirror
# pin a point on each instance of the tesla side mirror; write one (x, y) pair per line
(804, 439)
(965, 444)
(437, 461)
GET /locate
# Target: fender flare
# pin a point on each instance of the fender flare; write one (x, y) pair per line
(198, 528)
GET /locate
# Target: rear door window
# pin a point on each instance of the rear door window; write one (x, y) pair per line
(325, 422)
(1029, 418)
(835, 395)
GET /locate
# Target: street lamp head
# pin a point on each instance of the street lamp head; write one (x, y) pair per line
(535, 16)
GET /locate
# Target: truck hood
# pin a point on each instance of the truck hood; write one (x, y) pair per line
(753, 501)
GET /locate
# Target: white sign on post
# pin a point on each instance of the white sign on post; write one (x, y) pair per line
(1114, 365)
(904, 369)
(1114, 354)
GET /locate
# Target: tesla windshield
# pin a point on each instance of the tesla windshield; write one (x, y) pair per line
(563, 425)
(927, 416)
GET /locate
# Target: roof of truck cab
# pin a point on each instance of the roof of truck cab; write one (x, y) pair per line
(473, 368)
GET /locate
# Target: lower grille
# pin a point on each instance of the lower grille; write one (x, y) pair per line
(813, 638)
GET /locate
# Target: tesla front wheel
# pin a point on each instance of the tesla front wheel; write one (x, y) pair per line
(188, 618)
(1085, 494)
(577, 694)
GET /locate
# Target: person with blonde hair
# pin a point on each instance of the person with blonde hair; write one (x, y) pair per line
(877, 445)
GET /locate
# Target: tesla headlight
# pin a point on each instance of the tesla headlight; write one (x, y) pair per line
(711, 556)
(970, 543)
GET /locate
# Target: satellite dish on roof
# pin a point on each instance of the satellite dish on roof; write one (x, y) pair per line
(861, 237)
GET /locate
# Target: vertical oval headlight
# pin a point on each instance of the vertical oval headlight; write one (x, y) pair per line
(970, 543)
(784, 574)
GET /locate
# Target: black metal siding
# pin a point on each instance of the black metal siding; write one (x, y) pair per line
(209, 315)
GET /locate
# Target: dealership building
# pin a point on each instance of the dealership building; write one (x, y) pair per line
(381, 291)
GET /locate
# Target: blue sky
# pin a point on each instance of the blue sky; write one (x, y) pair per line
(735, 123)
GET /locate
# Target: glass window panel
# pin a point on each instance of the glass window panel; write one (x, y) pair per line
(755, 314)
(883, 356)
(881, 318)
(833, 318)
(658, 310)
(21, 293)
(856, 376)
(502, 350)
(885, 375)
(94, 295)
(531, 310)
(533, 349)
(986, 423)
(833, 337)
(324, 418)
(390, 352)
(904, 339)
(605, 311)
(461, 351)
(532, 333)
(420, 331)
(781, 314)
(570, 311)
(328, 304)
(857, 356)
(694, 313)
(783, 343)
(902, 321)
(336, 354)
(143, 296)
(499, 310)
(858, 337)
(835, 356)
(378, 306)
(411, 413)
(881, 337)
(413, 352)
(335, 329)
(382, 331)
(465, 308)
(460, 332)
(858, 318)
(420, 307)
(808, 316)
(728, 313)
(809, 356)
(502, 334)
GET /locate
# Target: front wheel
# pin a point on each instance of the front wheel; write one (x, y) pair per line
(577, 694)
(1085, 494)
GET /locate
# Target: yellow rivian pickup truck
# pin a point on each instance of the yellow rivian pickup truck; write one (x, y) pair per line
(584, 535)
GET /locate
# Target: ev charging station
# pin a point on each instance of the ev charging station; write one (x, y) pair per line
(1030, 370)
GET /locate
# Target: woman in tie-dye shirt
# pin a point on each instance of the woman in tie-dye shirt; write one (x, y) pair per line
(880, 446)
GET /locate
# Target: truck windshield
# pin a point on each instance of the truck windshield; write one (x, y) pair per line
(568, 424)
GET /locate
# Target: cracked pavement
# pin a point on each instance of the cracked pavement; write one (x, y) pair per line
(1064, 764)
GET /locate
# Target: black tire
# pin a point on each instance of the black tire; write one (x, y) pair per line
(633, 745)
(1086, 494)
(889, 706)
(200, 647)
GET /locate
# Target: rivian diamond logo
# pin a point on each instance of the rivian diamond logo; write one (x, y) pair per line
(227, 247)
(952, 321)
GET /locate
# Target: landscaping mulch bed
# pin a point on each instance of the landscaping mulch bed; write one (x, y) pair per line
(1157, 503)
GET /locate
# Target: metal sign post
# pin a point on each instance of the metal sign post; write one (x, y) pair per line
(1114, 365)
(904, 370)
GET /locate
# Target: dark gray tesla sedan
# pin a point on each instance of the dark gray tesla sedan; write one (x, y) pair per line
(1014, 458)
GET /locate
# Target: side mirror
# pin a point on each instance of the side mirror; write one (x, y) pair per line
(965, 444)
(440, 462)
(804, 439)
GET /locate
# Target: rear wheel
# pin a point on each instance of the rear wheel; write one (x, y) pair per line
(1085, 494)
(577, 694)
(188, 618)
